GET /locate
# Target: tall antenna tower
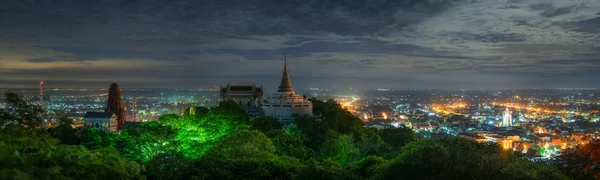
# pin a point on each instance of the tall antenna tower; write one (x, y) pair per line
(41, 94)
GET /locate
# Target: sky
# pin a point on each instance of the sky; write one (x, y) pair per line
(399, 44)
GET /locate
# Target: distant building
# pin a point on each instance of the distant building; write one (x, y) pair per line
(247, 95)
(474, 137)
(285, 103)
(244, 94)
(507, 119)
(106, 121)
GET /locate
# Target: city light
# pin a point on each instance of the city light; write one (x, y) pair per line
(181, 89)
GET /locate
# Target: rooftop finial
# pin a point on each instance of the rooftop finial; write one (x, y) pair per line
(285, 61)
(286, 85)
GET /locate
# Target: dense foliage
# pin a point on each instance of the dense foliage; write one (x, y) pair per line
(30, 155)
(223, 143)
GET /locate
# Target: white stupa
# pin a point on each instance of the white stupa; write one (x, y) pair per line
(283, 104)
(507, 118)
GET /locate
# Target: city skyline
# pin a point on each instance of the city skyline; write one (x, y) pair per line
(300, 89)
(363, 44)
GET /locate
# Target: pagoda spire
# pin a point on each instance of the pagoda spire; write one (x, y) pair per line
(286, 85)
(114, 104)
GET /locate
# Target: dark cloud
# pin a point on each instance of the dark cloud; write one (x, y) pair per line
(510, 6)
(197, 40)
(82, 53)
(42, 60)
(551, 12)
(542, 6)
(321, 56)
(158, 21)
(330, 61)
(488, 37)
(589, 26)
(366, 62)
(571, 62)
(363, 46)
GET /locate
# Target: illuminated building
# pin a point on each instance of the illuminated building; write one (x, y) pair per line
(506, 143)
(476, 138)
(507, 118)
(106, 121)
(283, 104)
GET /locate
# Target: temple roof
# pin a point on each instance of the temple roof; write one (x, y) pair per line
(286, 85)
(243, 88)
(98, 115)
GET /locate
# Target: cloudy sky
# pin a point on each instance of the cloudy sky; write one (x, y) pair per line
(329, 43)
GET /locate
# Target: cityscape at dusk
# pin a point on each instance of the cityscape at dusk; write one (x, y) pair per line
(376, 89)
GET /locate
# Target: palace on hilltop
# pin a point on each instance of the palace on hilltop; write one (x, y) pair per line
(283, 104)
(247, 95)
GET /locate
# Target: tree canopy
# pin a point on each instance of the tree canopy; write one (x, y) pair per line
(224, 143)
(28, 155)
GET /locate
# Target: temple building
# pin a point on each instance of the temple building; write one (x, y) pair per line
(106, 121)
(247, 95)
(283, 104)
(113, 117)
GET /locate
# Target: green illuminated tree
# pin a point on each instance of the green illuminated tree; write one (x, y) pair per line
(199, 135)
(170, 166)
(144, 141)
(243, 155)
(200, 111)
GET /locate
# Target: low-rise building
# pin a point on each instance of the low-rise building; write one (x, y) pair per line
(106, 121)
